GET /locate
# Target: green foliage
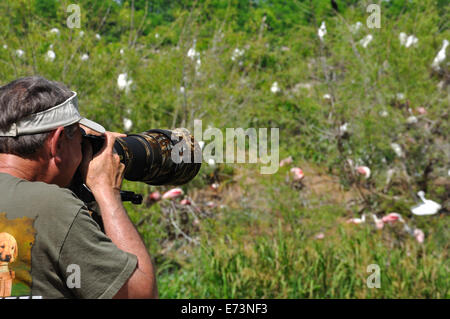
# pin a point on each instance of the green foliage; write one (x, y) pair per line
(263, 245)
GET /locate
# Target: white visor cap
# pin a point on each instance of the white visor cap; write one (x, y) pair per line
(64, 114)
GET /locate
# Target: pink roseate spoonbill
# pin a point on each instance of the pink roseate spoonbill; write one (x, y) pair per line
(319, 236)
(185, 201)
(419, 235)
(379, 223)
(173, 193)
(392, 218)
(211, 204)
(357, 220)
(427, 207)
(363, 170)
(298, 174)
(286, 161)
(421, 110)
(155, 196)
(152, 198)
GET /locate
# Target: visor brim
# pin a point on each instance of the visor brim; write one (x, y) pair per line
(92, 125)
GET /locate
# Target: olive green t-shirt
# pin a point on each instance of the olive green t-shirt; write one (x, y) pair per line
(55, 248)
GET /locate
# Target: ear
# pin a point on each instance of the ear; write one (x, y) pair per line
(55, 143)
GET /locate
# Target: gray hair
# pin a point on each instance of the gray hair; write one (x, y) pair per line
(24, 97)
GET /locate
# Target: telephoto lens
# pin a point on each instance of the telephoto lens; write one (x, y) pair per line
(156, 157)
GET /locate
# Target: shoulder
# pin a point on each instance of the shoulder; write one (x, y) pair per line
(50, 199)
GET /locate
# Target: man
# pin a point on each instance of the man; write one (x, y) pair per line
(62, 252)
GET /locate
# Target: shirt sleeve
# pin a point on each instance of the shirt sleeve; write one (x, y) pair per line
(90, 263)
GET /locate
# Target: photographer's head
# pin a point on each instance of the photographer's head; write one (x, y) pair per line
(39, 130)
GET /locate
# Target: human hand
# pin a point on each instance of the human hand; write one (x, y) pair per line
(103, 172)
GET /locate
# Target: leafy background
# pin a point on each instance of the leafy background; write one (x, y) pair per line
(256, 235)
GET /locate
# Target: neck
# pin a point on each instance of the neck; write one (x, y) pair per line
(30, 169)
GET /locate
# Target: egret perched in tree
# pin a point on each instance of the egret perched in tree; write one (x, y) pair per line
(192, 53)
(123, 83)
(127, 124)
(20, 53)
(274, 88)
(84, 57)
(55, 31)
(50, 55)
(322, 31)
(366, 40)
(440, 57)
(411, 40)
(355, 27)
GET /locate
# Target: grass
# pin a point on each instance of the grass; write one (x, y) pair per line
(274, 253)
(262, 243)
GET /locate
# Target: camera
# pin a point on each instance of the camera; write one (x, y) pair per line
(155, 157)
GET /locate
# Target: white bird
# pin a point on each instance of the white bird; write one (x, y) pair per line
(182, 89)
(5, 46)
(357, 220)
(440, 57)
(411, 40)
(127, 124)
(402, 37)
(428, 207)
(366, 40)
(81, 34)
(192, 53)
(157, 35)
(397, 149)
(274, 88)
(322, 31)
(55, 31)
(343, 128)
(50, 55)
(327, 96)
(400, 96)
(237, 53)
(20, 53)
(355, 27)
(84, 57)
(412, 120)
(123, 82)
(98, 36)
(121, 51)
